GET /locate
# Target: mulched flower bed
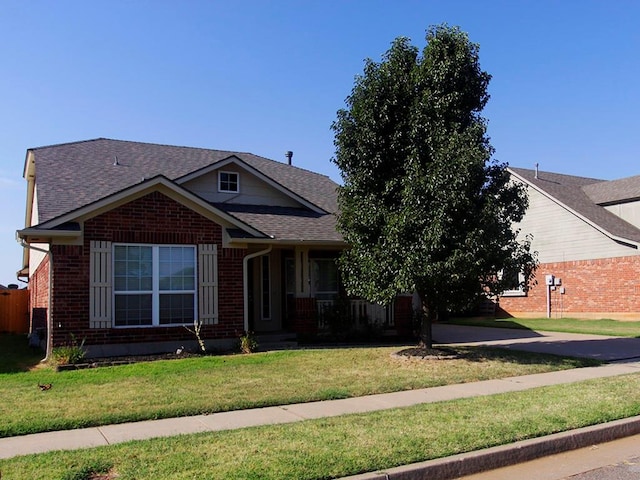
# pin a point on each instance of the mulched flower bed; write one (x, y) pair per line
(420, 353)
(125, 360)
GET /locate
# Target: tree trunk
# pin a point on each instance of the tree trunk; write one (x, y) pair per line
(427, 318)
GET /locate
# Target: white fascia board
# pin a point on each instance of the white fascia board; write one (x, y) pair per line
(290, 242)
(40, 235)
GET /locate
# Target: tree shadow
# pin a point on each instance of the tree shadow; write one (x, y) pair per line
(613, 349)
(468, 333)
(15, 354)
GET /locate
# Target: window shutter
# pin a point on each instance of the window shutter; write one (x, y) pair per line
(100, 290)
(208, 284)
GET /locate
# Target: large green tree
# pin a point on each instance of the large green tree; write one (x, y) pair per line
(423, 205)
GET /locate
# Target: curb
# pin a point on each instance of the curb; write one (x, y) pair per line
(505, 455)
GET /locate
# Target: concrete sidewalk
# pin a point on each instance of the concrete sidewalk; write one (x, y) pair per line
(112, 434)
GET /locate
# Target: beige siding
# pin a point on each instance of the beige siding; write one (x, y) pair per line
(627, 211)
(253, 191)
(559, 235)
(36, 256)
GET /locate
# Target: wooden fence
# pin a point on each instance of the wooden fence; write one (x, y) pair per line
(14, 311)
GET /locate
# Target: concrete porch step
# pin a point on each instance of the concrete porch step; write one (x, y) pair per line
(276, 341)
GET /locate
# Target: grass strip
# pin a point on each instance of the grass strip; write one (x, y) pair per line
(200, 385)
(351, 444)
(614, 328)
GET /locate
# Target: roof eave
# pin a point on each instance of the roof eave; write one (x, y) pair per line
(291, 242)
(44, 235)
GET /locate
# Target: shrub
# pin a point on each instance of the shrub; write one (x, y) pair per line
(248, 342)
(68, 354)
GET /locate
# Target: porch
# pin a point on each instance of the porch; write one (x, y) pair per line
(298, 290)
(356, 314)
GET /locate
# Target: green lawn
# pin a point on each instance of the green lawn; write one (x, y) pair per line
(198, 385)
(615, 328)
(347, 445)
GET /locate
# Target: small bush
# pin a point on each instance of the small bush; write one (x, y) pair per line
(69, 354)
(248, 342)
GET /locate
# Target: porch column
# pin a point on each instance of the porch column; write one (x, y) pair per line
(303, 280)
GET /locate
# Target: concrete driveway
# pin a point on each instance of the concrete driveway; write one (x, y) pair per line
(607, 349)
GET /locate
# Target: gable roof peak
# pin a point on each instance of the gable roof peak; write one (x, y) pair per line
(572, 193)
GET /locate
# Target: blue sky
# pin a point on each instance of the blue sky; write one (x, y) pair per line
(268, 76)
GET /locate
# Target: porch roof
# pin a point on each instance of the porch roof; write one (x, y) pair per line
(285, 223)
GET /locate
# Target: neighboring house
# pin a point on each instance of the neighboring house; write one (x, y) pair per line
(587, 233)
(126, 243)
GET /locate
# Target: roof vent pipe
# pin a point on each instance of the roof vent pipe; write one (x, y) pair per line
(289, 155)
(115, 160)
(536, 170)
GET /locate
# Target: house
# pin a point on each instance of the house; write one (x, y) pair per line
(126, 243)
(587, 235)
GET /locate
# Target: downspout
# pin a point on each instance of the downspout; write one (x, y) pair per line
(25, 245)
(245, 281)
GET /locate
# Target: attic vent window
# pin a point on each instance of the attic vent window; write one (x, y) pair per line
(228, 182)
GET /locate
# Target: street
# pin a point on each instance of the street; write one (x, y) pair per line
(617, 460)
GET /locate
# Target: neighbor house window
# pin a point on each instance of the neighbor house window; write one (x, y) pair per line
(154, 285)
(516, 284)
(228, 182)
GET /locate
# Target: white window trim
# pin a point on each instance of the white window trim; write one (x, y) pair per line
(155, 292)
(220, 189)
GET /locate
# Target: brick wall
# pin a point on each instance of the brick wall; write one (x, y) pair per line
(154, 219)
(39, 289)
(607, 287)
(403, 315)
(304, 315)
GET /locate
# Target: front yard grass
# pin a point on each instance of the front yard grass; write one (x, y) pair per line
(199, 385)
(614, 328)
(351, 444)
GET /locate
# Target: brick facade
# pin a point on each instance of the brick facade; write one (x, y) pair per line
(39, 291)
(304, 315)
(602, 288)
(155, 219)
(152, 219)
(403, 315)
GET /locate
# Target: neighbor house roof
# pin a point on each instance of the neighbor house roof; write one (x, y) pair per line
(614, 191)
(73, 175)
(585, 197)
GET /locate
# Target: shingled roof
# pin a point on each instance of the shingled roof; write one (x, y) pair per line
(586, 197)
(73, 175)
(614, 191)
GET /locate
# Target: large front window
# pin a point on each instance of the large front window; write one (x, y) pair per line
(154, 285)
(324, 279)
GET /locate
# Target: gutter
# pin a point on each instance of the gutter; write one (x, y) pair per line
(245, 281)
(26, 246)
